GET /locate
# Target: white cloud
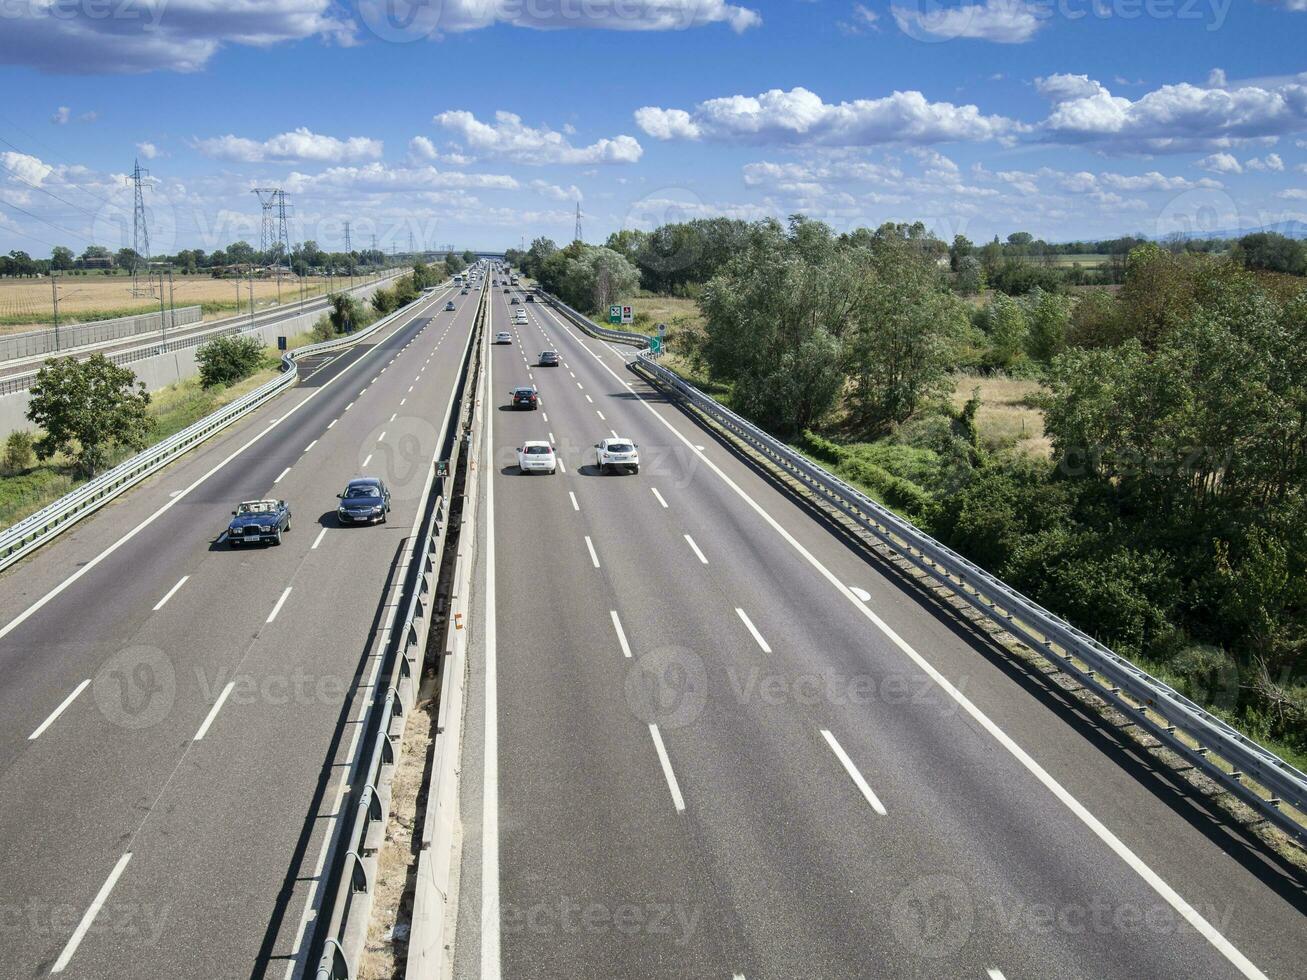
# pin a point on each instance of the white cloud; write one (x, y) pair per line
(509, 138)
(180, 35)
(300, 144)
(1298, 6)
(1174, 118)
(569, 193)
(1271, 162)
(799, 116)
(413, 20)
(1154, 181)
(147, 150)
(61, 116)
(1001, 21)
(28, 169)
(421, 148)
(377, 177)
(1220, 163)
(1294, 194)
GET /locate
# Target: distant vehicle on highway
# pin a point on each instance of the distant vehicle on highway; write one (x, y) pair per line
(450, 305)
(507, 290)
(530, 297)
(513, 301)
(503, 337)
(365, 500)
(464, 293)
(549, 358)
(519, 316)
(524, 397)
(537, 457)
(617, 454)
(258, 520)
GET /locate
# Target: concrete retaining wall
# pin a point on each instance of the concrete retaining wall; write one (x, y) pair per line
(34, 343)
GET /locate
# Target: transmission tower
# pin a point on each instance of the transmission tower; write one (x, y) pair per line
(410, 244)
(348, 246)
(268, 230)
(283, 229)
(577, 236)
(140, 232)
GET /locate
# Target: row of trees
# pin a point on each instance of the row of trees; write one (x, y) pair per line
(588, 277)
(306, 258)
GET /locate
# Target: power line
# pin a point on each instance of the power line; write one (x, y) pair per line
(38, 187)
(66, 231)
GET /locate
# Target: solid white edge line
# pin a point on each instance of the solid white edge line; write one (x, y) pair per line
(666, 763)
(852, 770)
(699, 554)
(593, 557)
(63, 705)
(277, 608)
(213, 712)
(490, 941)
(753, 629)
(621, 634)
(170, 593)
(1173, 898)
(659, 496)
(318, 540)
(101, 897)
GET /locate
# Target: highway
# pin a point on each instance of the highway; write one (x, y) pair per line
(176, 715)
(708, 736)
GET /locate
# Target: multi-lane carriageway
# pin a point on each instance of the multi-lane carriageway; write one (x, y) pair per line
(705, 736)
(175, 715)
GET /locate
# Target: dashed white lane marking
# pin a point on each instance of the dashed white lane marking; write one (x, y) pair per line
(318, 540)
(666, 763)
(283, 475)
(852, 770)
(590, 545)
(601, 415)
(277, 608)
(332, 422)
(744, 616)
(575, 505)
(695, 548)
(63, 706)
(213, 712)
(659, 496)
(170, 593)
(311, 445)
(589, 399)
(621, 634)
(84, 926)
(366, 461)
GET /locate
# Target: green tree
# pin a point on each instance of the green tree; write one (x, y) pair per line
(88, 409)
(226, 360)
(970, 278)
(454, 264)
(61, 258)
(1005, 322)
(19, 454)
(345, 313)
(1049, 316)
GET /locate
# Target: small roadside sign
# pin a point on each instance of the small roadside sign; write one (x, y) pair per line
(628, 315)
(655, 345)
(615, 314)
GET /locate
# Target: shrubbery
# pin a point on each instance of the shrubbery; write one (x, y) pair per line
(226, 360)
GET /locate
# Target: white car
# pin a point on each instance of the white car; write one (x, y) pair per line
(617, 453)
(537, 457)
(503, 337)
(520, 316)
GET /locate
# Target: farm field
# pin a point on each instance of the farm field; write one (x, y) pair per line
(25, 304)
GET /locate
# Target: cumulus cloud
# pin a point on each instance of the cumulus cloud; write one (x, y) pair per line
(300, 144)
(800, 117)
(1271, 162)
(377, 177)
(1001, 21)
(569, 193)
(1220, 163)
(61, 115)
(28, 169)
(148, 150)
(509, 138)
(1173, 118)
(414, 20)
(180, 35)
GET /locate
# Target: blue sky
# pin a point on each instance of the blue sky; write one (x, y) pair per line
(480, 122)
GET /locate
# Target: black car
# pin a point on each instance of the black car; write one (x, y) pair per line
(524, 398)
(449, 306)
(258, 520)
(530, 297)
(366, 500)
(513, 301)
(549, 358)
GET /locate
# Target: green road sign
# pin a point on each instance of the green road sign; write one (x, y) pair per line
(614, 314)
(655, 345)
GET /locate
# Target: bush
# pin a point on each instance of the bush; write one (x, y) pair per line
(226, 360)
(19, 452)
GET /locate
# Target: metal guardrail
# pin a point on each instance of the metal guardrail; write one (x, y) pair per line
(347, 907)
(1247, 770)
(241, 323)
(35, 530)
(55, 341)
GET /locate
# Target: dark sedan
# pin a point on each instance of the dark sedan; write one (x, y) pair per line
(524, 398)
(366, 500)
(549, 358)
(258, 520)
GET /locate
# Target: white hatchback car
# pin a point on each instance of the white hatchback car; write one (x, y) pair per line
(537, 457)
(616, 454)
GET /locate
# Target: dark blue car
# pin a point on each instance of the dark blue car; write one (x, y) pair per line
(258, 520)
(366, 500)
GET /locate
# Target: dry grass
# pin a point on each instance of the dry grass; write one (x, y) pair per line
(25, 304)
(1005, 419)
(676, 312)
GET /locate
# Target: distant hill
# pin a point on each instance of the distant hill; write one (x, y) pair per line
(1289, 229)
